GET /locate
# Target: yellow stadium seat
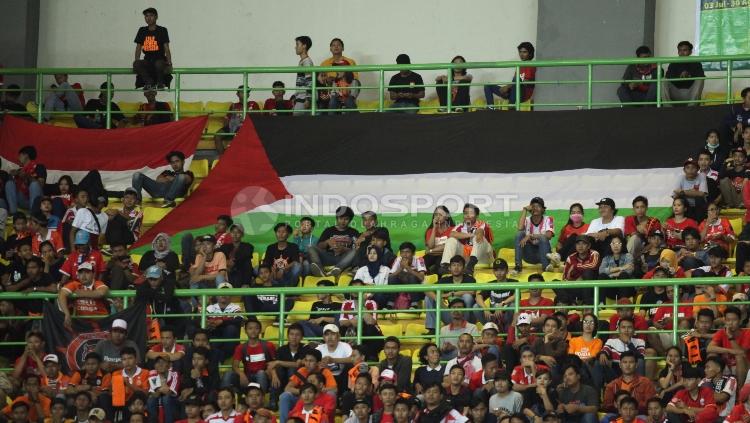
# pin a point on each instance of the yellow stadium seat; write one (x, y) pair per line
(415, 329)
(199, 167)
(431, 279)
(364, 105)
(300, 306)
(736, 225)
(391, 329)
(256, 259)
(214, 163)
(151, 215)
(136, 258)
(606, 314)
(433, 105)
(206, 144)
(345, 279)
(128, 109)
(402, 351)
(191, 108)
(715, 98)
(271, 333)
(217, 107)
(484, 277)
(312, 281)
(214, 125)
(415, 357)
(31, 107)
(64, 122)
(508, 254)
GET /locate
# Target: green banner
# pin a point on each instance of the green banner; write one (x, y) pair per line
(723, 28)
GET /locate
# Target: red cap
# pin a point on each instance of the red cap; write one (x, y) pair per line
(690, 161)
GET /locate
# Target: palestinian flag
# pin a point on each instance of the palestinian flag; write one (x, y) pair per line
(403, 166)
(116, 154)
(73, 346)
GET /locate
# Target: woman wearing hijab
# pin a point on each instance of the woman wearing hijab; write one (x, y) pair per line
(162, 255)
(374, 272)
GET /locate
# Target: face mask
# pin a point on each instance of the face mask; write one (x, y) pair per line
(576, 218)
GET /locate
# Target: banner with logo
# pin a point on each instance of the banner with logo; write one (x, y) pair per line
(723, 27)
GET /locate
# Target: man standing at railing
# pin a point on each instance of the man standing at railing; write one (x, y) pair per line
(684, 90)
(153, 41)
(302, 98)
(632, 91)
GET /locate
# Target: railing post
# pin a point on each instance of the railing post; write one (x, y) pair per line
(204, 300)
(39, 96)
(729, 81)
(177, 97)
(360, 320)
(282, 309)
(125, 302)
(314, 94)
(658, 85)
(244, 97)
(381, 86)
(516, 306)
(518, 88)
(109, 101)
(596, 300)
(438, 320)
(589, 85)
(449, 91)
(675, 311)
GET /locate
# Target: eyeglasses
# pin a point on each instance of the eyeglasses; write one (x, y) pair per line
(589, 322)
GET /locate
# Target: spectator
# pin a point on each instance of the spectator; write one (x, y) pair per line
(163, 383)
(91, 220)
(201, 340)
(694, 402)
(628, 411)
(398, 363)
(286, 363)
(457, 391)
(675, 225)
(251, 358)
(210, 266)
(124, 225)
(310, 412)
(684, 91)
(670, 378)
(531, 305)
(239, 257)
(706, 168)
(567, 239)
(11, 103)
(472, 240)
(62, 96)
(223, 321)
(192, 409)
(36, 403)
(608, 367)
(153, 41)
(581, 265)
(527, 75)
(334, 244)
(693, 186)
(27, 181)
(161, 255)
(605, 226)
(152, 112)
(465, 356)
(266, 302)
(457, 276)
(407, 270)
(436, 236)
(524, 374)
(739, 115)
(588, 345)
(460, 96)
(128, 381)
(436, 409)
(98, 119)
(632, 91)
(225, 402)
(336, 355)
(552, 348)
(303, 94)
(167, 348)
(234, 118)
(640, 387)
(314, 326)
(534, 235)
(372, 233)
(157, 291)
(716, 230)
(254, 402)
(618, 265)
(277, 104)
(406, 88)
(732, 179)
(107, 351)
(90, 295)
(664, 319)
(340, 97)
(733, 343)
(578, 403)
(741, 411)
(431, 371)
(724, 386)
(451, 333)
(170, 184)
(498, 311)
(311, 364)
(505, 401)
(388, 396)
(304, 238)
(41, 234)
(374, 272)
(481, 383)
(283, 258)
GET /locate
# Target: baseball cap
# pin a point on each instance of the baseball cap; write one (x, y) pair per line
(388, 375)
(656, 232)
(330, 327)
(499, 264)
(537, 200)
(237, 226)
(583, 238)
(119, 324)
(254, 385)
(97, 413)
(606, 201)
(193, 400)
(740, 150)
(51, 357)
(523, 319)
(102, 201)
(86, 265)
(740, 296)
(153, 272)
(82, 238)
(690, 161)
(130, 190)
(224, 285)
(491, 326)
(209, 238)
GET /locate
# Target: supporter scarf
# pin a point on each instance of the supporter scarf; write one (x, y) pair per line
(373, 267)
(28, 170)
(159, 255)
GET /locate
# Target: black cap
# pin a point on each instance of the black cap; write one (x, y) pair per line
(362, 401)
(717, 251)
(606, 201)
(583, 238)
(500, 263)
(150, 10)
(193, 400)
(537, 200)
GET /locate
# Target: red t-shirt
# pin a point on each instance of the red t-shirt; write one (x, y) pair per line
(674, 239)
(323, 400)
(440, 237)
(252, 356)
(715, 232)
(270, 105)
(737, 414)
(87, 306)
(631, 226)
(569, 230)
(527, 74)
(721, 339)
(543, 302)
(705, 397)
(520, 377)
(475, 382)
(665, 312)
(175, 349)
(70, 267)
(52, 236)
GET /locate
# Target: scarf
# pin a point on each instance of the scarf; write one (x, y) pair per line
(160, 255)
(711, 148)
(373, 267)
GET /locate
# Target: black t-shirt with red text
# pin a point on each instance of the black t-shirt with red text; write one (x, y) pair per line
(152, 42)
(344, 238)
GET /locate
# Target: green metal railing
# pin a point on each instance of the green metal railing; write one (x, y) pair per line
(382, 85)
(361, 291)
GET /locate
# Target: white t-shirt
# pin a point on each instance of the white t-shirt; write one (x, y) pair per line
(596, 225)
(417, 263)
(218, 418)
(85, 220)
(231, 308)
(547, 224)
(381, 278)
(476, 363)
(343, 350)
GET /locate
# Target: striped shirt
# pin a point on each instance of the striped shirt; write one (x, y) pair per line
(615, 346)
(218, 417)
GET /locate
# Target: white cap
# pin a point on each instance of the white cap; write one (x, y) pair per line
(119, 324)
(86, 265)
(330, 327)
(524, 319)
(491, 325)
(225, 285)
(388, 375)
(51, 357)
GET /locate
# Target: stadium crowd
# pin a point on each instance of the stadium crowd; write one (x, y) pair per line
(535, 365)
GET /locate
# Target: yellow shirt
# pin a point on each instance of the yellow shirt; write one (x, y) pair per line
(329, 62)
